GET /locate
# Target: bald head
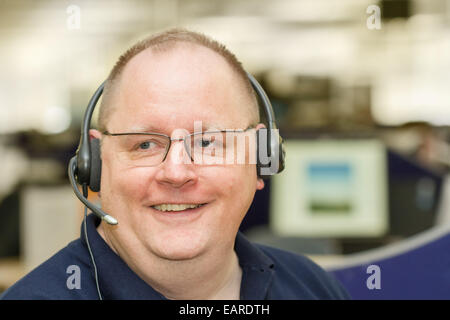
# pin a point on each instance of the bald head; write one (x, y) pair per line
(178, 56)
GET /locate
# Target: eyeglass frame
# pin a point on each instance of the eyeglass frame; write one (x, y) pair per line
(166, 152)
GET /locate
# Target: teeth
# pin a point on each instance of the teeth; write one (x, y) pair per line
(175, 207)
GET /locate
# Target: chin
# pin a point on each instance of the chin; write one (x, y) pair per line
(178, 248)
(178, 255)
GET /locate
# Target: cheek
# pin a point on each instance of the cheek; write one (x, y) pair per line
(123, 187)
(237, 187)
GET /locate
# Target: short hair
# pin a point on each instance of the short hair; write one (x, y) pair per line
(164, 41)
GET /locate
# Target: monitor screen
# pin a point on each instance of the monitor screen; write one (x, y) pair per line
(331, 188)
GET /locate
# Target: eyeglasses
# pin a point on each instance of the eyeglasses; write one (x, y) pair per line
(149, 149)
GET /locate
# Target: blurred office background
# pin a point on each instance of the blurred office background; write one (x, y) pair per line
(363, 104)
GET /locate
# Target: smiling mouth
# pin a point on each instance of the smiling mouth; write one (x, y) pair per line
(176, 207)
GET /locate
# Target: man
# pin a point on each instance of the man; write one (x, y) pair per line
(177, 236)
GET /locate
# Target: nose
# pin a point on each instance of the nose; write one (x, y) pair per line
(177, 168)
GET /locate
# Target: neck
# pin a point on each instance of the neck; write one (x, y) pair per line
(212, 275)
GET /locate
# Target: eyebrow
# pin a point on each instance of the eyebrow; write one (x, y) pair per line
(150, 128)
(143, 129)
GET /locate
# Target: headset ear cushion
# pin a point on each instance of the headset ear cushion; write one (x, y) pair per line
(96, 166)
(282, 155)
(267, 166)
(261, 138)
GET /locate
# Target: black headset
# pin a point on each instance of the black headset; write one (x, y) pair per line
(86, 166)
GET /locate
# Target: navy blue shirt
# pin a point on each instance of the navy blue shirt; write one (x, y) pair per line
(267, 273)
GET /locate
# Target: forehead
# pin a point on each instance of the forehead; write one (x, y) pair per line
(177, 87)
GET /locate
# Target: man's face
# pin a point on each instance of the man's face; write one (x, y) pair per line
(166, 93)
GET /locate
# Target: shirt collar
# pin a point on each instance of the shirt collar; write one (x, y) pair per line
(257, 269)
(118, 281)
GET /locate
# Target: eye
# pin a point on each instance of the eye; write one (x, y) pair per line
(206, 143)
(145, 145)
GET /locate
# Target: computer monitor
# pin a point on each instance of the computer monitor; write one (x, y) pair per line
(331, 188)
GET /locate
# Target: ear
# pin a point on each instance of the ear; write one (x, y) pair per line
(259, 184)
(260, 125)
(94, 134)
